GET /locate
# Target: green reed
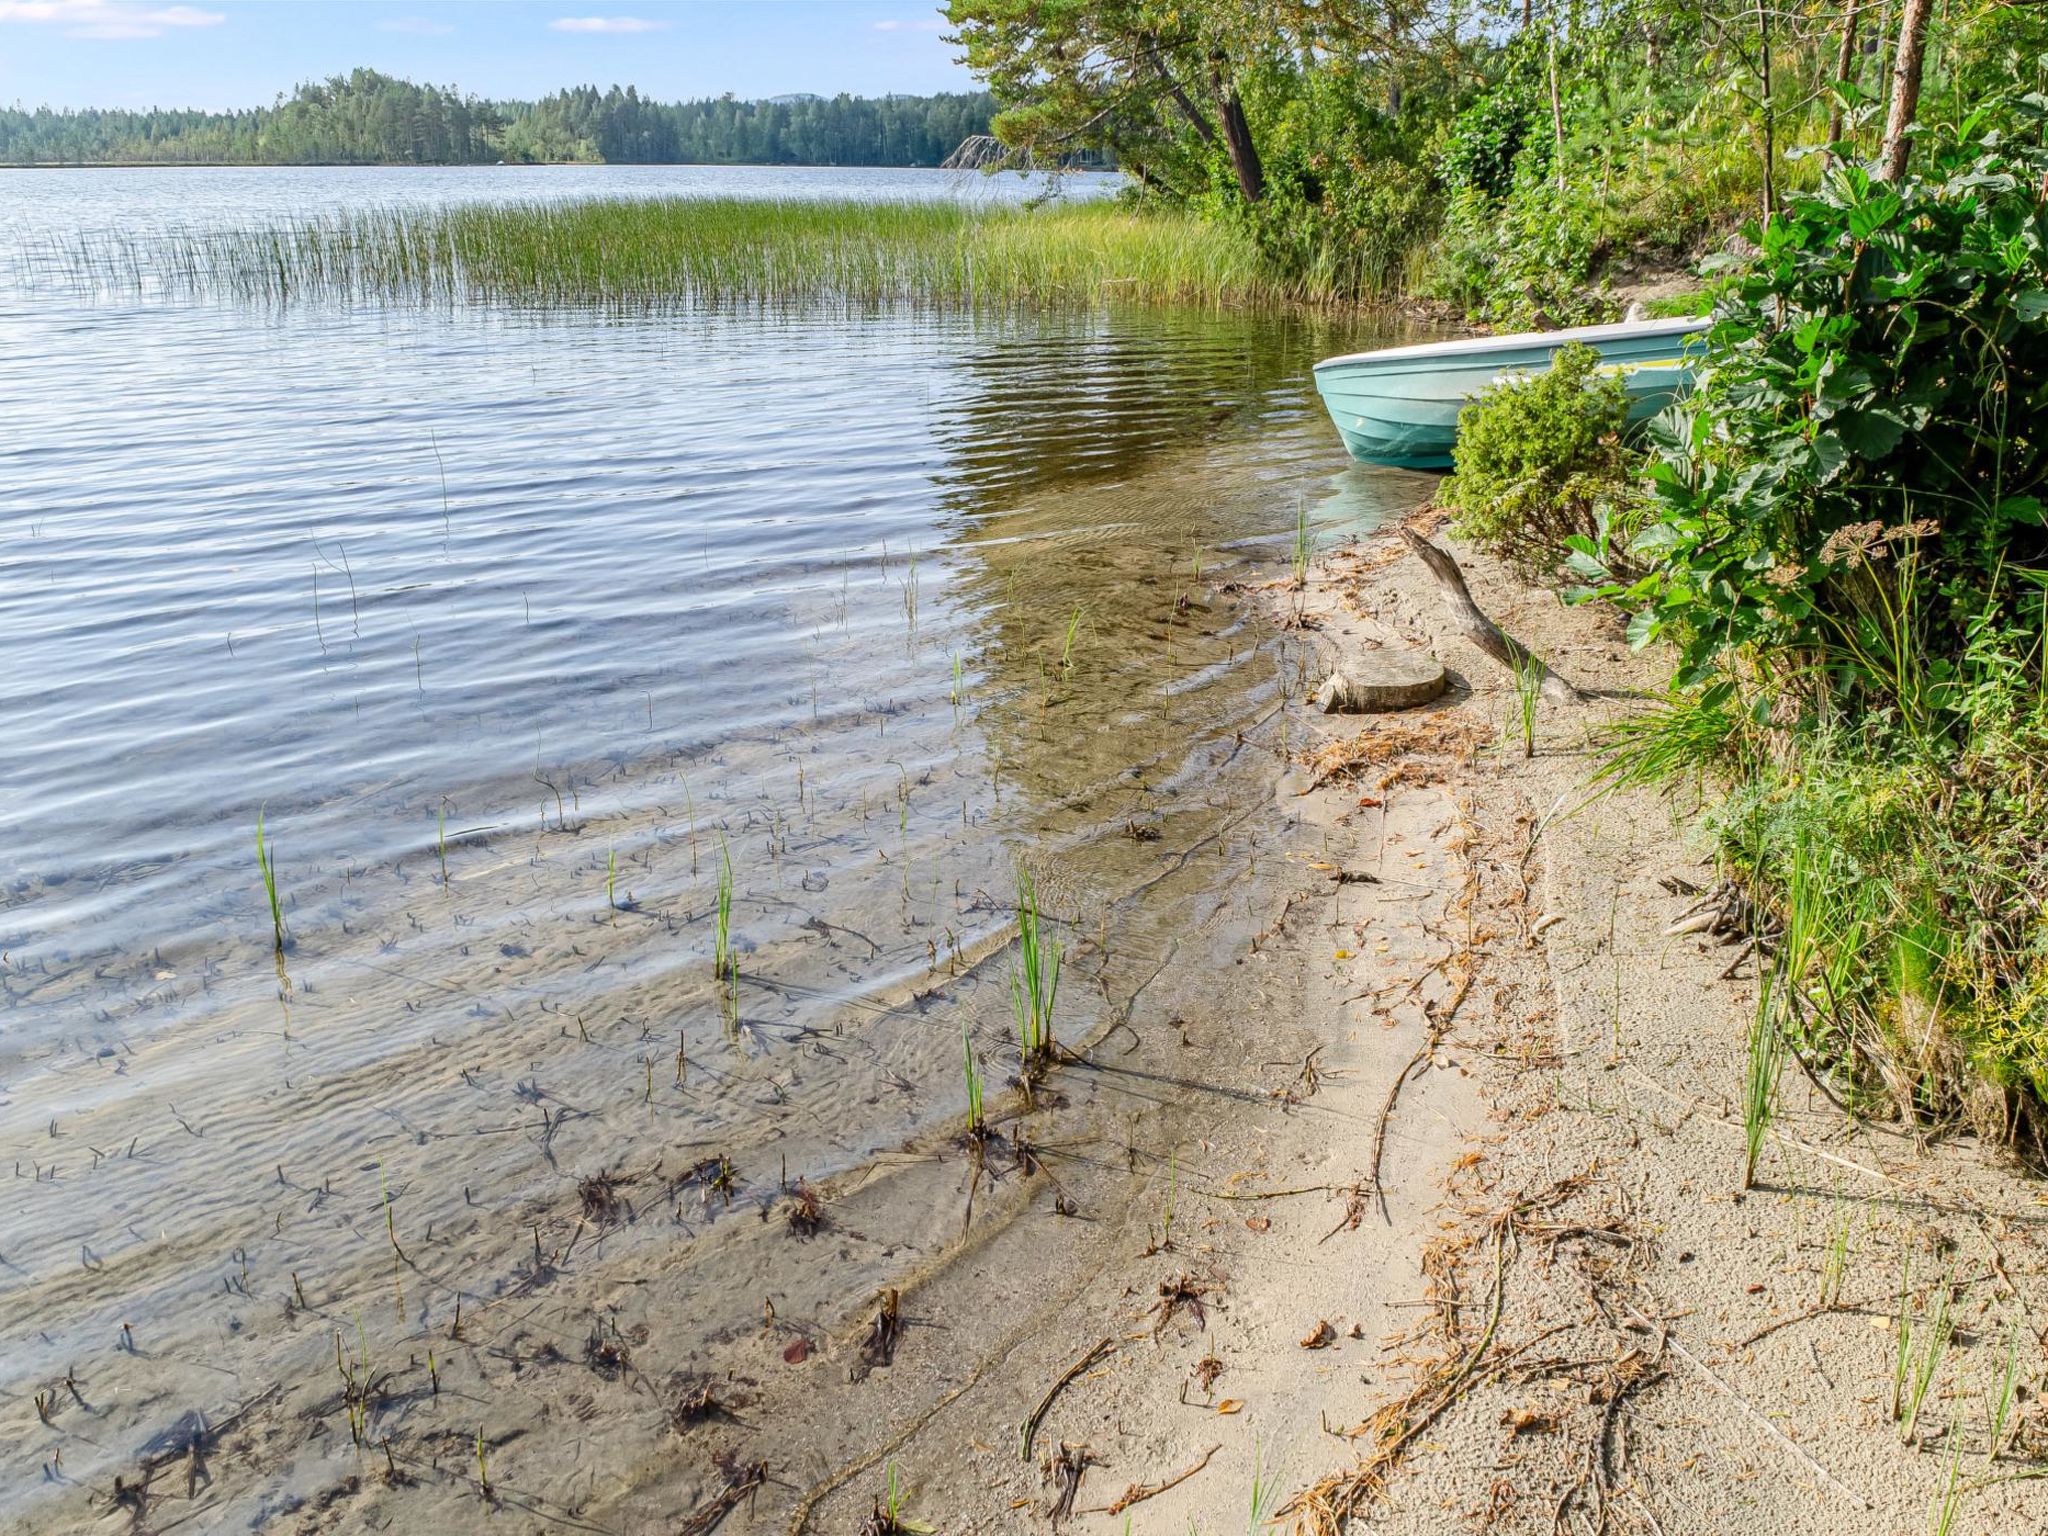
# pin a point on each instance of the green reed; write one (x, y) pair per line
(662, 253)
(278, 935)
(1068, 645)
(1528, 693)
(1999, 1409)
(1760, 1076)
(390, 1222)
(441, 841)
(1835, 1266)
(722, 963)
(611, 877)
(977, 1124)
(1801, 945)
(1951, 1494)
(1304, 547)
(1035, 980)
(1920, 1349)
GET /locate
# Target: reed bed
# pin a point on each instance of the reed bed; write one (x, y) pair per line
(636, 254)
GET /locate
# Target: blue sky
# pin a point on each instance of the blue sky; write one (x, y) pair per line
(241, 53)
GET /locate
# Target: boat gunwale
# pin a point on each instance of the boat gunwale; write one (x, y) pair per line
(1475, 346)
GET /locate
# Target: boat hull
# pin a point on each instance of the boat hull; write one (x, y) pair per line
(1400, 406)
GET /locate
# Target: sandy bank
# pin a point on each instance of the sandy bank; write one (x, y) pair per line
(1476, 1257)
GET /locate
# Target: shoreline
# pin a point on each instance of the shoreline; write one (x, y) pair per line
(1397, 1186)
(1552, 1304)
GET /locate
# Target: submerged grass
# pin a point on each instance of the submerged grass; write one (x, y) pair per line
(655, 252)
(280, 937)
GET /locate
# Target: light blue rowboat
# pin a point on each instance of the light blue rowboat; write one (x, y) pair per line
(1400, 405)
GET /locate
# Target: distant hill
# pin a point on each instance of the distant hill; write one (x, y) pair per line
(368, 118)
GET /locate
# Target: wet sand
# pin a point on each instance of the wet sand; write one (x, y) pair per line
(488, 1182)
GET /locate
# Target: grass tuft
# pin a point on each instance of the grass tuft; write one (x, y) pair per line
(280, 937)
(1035, 981)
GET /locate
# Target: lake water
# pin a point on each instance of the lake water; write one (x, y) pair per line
(515, 628)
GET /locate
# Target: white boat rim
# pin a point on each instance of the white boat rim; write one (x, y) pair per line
(1464, 346)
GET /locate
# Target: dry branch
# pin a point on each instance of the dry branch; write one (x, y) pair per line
(1482, 631)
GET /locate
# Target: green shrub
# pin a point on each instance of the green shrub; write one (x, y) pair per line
(1347, 211)
(1847, 547)
(1540, 462)
(1874, 379)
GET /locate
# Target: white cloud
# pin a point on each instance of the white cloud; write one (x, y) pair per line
(920, 24)
(415, 26)
(616, 26)
(107, 18)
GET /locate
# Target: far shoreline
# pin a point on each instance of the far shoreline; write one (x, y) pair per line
(478, 165)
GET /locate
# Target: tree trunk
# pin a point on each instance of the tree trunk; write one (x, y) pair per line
(1845, 64)
(1482, 631)
(1194, 114)
(1891, 159)
(1556, 110)
(1237, 136)
(1769, 110)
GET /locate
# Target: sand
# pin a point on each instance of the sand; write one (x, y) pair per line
(1553, 1309)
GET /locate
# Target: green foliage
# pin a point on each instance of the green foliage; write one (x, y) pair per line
(1859, 442)
(1505, 130)
(1349, 203)
(1541, 468)
(1847, 549)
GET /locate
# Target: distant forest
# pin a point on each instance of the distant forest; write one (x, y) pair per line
(367, 118)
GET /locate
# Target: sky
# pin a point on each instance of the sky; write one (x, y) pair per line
(219, 54)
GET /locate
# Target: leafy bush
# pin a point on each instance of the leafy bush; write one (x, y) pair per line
(1847, 546)
(1488, 139)
(1540, 464)
(1347, 209)
(1875, 375)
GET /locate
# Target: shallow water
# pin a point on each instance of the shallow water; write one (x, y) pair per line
(515, 627)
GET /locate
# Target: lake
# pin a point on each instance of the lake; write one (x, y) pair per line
(521, 632)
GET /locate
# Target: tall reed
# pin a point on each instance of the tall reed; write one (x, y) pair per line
(1528, 693)
(1035, 979)
(977, 1124)
(663, 253)
(722, 964)
(279, 937)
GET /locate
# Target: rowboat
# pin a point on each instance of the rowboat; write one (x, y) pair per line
(1400, 405)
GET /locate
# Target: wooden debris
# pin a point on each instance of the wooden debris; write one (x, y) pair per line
(1137, 1493)
(1031, 1422)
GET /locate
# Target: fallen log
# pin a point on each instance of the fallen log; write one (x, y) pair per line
(1482, 631)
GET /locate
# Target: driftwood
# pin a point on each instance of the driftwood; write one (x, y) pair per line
(1482, 631)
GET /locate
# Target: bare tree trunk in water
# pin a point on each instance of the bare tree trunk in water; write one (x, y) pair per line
(1891, 159)
(1845, 64)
